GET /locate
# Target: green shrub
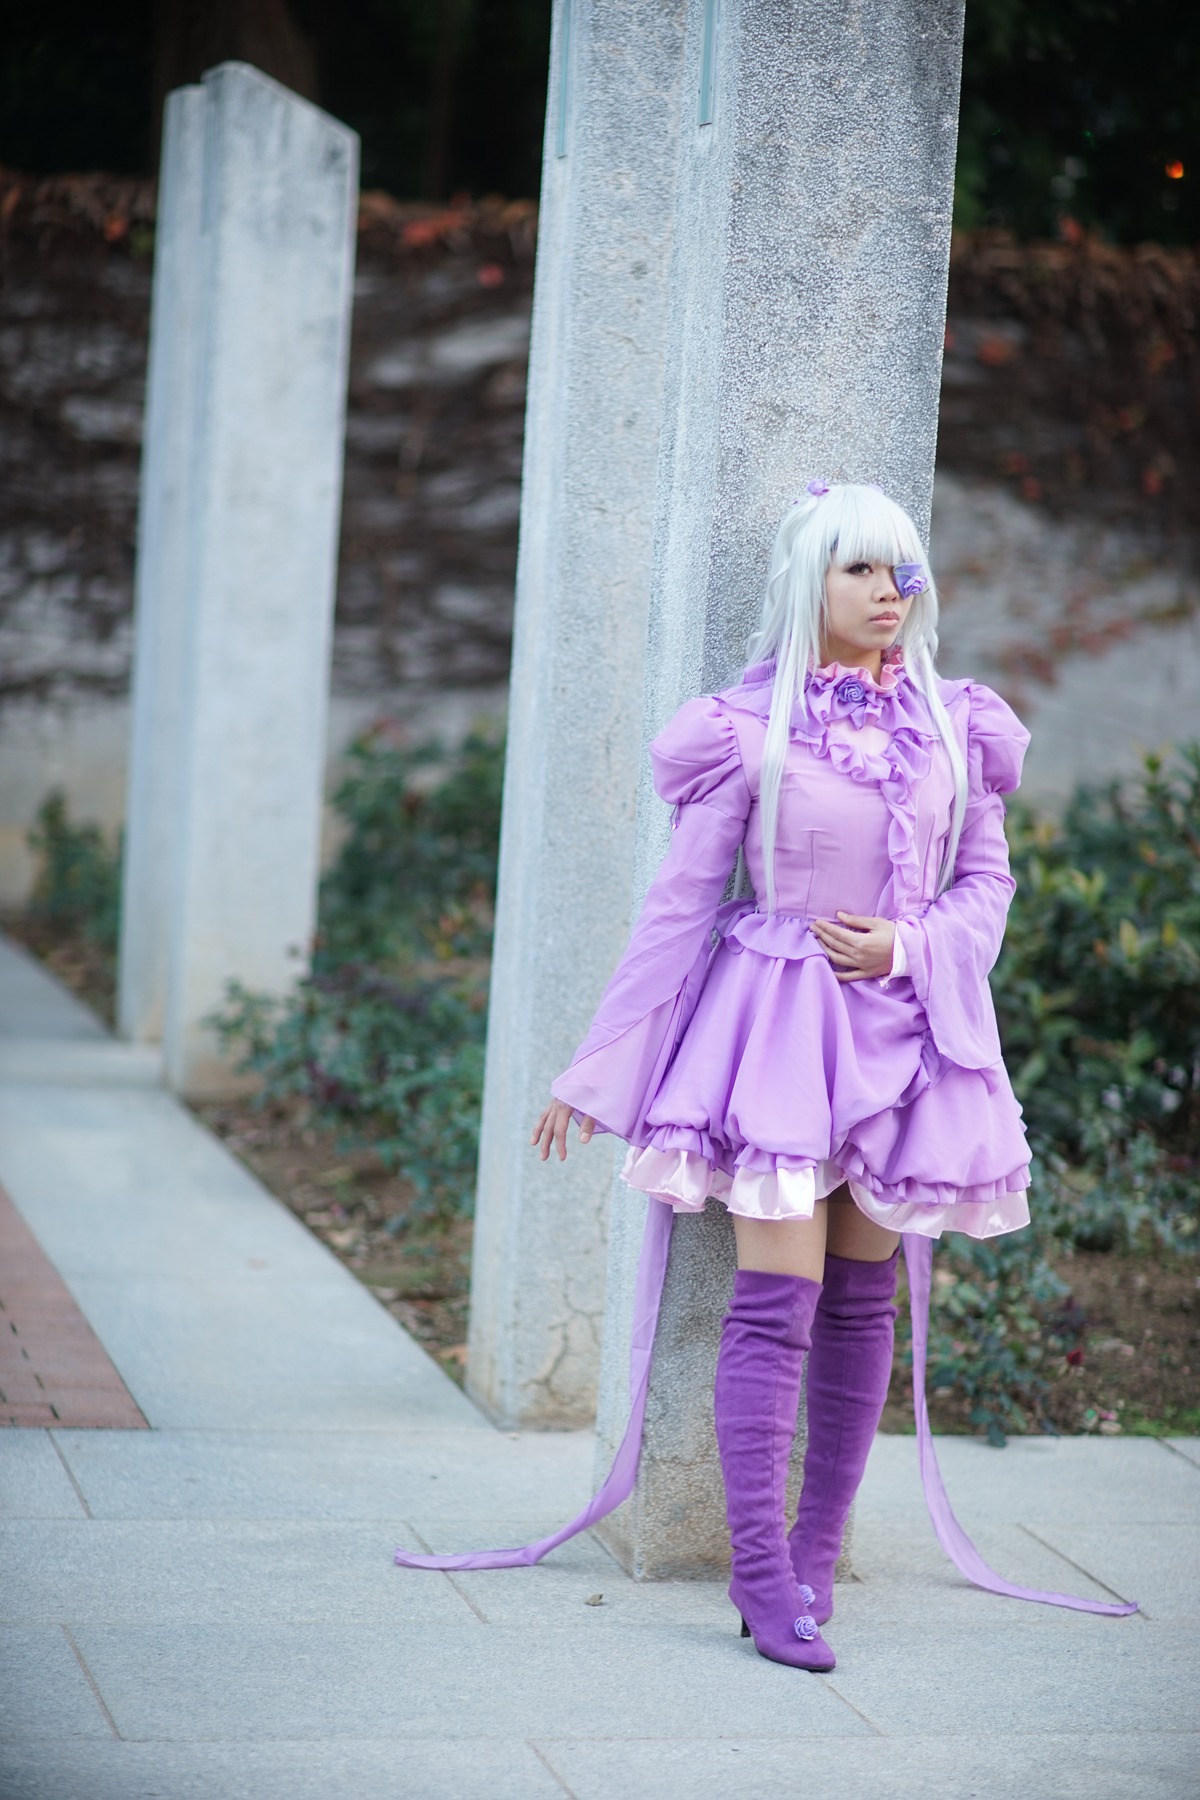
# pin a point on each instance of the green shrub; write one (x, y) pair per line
(1098, 996)
(998, 1313)
(416, 874)
(1098, 985)
(395, 1064)
(384, 1040)
(78, 883)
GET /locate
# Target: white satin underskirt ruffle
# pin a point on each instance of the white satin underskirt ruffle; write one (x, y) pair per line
(685, 1180)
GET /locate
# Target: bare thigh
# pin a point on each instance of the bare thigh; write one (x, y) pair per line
(798, 1246)
(851, 1234)
(783, 1246)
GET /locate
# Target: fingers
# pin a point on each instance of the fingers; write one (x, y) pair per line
(836, 934)
(541, 1124)
(862, 924)
(550, 1132)
(844, 961)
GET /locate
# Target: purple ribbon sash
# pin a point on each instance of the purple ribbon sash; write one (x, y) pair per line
(918, 1256)
(652, 1271)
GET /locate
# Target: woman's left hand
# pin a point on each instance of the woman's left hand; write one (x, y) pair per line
(859, 949)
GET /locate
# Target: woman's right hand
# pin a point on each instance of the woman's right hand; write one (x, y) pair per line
(551, 1128)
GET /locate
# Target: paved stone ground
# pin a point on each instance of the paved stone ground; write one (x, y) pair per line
(207, 1609)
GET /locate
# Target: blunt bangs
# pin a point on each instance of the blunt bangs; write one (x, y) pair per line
(865, 526)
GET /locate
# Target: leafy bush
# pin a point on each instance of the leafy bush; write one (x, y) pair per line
(78, 883)
(396, 1064)
(998, 1313)
(1098, 986)
(417, 871)
(384, 1040)
(1098, 996)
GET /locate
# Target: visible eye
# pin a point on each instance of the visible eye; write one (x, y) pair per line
(859, 568)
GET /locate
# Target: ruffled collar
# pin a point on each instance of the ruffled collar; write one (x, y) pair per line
(834, 694)
(891, 673)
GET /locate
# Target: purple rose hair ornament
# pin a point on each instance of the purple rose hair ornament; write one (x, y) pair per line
(911, 580)
(816, 487)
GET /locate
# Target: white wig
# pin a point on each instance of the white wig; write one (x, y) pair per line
(843, 525)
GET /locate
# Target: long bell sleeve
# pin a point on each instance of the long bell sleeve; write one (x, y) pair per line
(951, 948)
(645, 1008)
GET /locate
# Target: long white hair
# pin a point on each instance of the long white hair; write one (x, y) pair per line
(845, 524)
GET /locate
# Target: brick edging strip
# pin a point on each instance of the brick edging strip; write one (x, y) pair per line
(53, 1368)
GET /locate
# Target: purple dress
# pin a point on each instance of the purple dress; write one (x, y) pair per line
(735, 1063)
(724, 1049)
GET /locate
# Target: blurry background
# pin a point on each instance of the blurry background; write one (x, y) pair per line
(1068, 459)
(1064, 542)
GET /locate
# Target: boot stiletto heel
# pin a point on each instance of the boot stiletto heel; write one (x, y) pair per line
(763, 1339)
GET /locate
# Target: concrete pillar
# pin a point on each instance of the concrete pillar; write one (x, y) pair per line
(806, 315)
(575, 723)
(155, 747)
(237, 556)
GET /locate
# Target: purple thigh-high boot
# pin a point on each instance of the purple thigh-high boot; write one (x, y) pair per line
(763, 1339)
(849, 1366)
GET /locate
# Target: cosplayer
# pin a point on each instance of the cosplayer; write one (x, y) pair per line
(821, 1056)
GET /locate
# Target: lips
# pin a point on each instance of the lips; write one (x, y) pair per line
(886, 619)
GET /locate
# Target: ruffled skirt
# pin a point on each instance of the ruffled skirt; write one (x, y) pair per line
(788, 1083)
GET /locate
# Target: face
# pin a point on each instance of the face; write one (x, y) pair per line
(864, 613)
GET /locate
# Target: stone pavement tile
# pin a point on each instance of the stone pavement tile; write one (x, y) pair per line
(193, 1404)
(555, 1593)
(38, 1006)
(255, 1328)
(33, 1481)
(889, 1555)
(551, 1593)
(1073, 1480)
(44, 1692)
(1189, 1447)
(206, 1571)
(1084, 1766)
(1158, 1567)
(103, 1063)
(331, 1681)
(127, 1182)
(328, 1474)
(494, 1768)
(1111, 1675)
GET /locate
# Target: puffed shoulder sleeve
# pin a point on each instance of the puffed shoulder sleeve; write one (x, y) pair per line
(645, 1008)
(695, 759)
(951, 947)
(996, 744)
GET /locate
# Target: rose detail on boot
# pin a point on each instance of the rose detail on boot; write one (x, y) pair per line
(764, 1336)
(806, 1594)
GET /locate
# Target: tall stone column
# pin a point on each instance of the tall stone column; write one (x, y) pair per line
(575, 722)
(155, 749)
(807, 305)
(241, 496)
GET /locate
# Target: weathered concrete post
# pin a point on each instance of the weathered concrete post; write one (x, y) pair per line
(806, 315)
(240, 506)
(583, 584)
(152, 806)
